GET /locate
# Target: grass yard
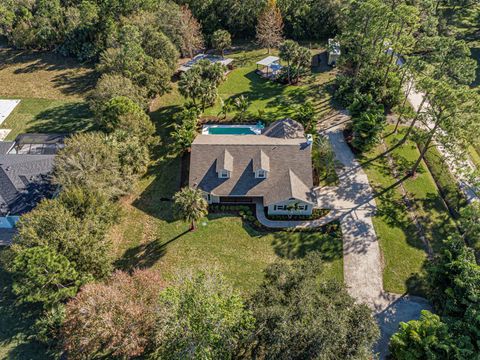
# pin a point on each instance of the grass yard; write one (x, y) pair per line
(403, 251)
(52, 90)
(46, 115)
(221, 242)
(269, 101)
(43, 75)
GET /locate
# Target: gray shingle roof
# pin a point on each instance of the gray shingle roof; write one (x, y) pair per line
(290, 166)
(261, 161)
(5, 146)
(285, 129)
(24, 179)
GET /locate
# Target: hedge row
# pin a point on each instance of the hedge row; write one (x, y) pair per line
(446, 182)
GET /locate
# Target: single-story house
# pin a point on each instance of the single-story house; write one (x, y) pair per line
(25, 175)
(228, 63)
(274, 167)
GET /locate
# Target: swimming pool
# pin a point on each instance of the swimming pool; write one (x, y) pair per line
(232, 129)
(8, 222)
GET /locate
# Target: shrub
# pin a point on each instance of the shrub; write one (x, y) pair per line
(294, 311)
(367, 128)
(445, 181)
(115, 319)
(43, 275)
(110, 86)
(90, 161)
(81, 240)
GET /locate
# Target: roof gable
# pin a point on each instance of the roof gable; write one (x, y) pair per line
(225, 161)
(261, 161)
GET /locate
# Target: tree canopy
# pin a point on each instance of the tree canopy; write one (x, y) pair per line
(299, 316)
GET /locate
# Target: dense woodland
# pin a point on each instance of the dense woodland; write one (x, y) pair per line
(61, 258)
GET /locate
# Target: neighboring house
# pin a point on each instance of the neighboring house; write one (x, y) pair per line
(25, 168)
(274, 167)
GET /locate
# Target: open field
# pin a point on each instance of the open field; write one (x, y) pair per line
(52, 90)
(403, 251)
(46, 115)
(43, 75)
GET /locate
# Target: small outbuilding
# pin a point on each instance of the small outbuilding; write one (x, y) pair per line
(333, 52)
(269, 67)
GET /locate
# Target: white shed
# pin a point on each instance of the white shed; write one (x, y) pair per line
(333, 52)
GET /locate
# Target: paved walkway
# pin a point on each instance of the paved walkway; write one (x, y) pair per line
(298, 224)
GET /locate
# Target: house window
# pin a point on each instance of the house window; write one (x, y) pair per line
(261, 174)
(279, 207)
(224, 174)
(302, 207)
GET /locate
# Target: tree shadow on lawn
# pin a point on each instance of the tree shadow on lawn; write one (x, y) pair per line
(438, 228)
(16, 320)
(66, 118)
(394, 213)
(297, 244)
(155, 199)
(70, 81)
(145, 255)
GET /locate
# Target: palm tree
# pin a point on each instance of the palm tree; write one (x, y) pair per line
(189, 84)
(288, 50)
(241, 104)
(227, 106)
(303, 59)
(190, 205)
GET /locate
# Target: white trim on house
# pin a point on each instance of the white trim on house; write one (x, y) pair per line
(290, 207)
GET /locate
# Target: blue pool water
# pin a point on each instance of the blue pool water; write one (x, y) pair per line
(230, 131)
(8, 222)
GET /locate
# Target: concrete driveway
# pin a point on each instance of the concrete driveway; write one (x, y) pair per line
(354, 202)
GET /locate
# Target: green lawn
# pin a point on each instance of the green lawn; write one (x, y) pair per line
(403, 251)
(46, 115)
(273, 100)
(222, 242)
